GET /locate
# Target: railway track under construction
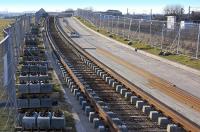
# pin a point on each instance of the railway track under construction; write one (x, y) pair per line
(111, 102)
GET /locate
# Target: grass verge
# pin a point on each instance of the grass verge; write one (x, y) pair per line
(3, 24)
(4, 120)
(182, 59)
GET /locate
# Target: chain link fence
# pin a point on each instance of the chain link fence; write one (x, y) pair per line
(177, 37)
(10, 48)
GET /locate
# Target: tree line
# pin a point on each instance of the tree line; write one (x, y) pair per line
(179, 12)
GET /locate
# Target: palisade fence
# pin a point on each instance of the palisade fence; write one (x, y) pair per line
(10, 48)
(177, 37)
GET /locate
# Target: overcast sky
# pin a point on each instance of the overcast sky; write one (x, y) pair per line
(137, 6)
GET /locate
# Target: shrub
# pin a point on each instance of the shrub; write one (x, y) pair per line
(126, 39)
(110, 35)
(130, 43)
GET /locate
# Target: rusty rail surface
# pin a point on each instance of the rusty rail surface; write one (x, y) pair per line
(174, 115)
(166, 87)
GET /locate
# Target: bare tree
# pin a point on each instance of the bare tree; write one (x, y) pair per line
(175, 10)
(195, 16)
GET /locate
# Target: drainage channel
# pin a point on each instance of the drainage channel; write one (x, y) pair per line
(126, 110)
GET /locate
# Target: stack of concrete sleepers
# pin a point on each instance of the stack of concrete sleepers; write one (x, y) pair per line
(34, 89)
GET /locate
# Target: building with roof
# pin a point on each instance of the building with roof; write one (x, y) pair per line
(113, 12)
(39, 14)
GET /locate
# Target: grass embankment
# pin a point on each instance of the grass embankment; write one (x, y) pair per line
(3, 24)
(182, 59)
(4, 113)
(6, 124)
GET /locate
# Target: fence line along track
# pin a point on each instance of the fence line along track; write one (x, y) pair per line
(175, 37)
(77, 56)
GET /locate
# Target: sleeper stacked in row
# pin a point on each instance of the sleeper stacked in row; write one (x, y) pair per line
(35, 88)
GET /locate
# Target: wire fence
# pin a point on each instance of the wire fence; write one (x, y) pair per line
(179, 38)
(10, 48)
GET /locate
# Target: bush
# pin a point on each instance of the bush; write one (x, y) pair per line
(165, 53)
(126, 39)
(130, 43)
(110, 35)
(56, 88)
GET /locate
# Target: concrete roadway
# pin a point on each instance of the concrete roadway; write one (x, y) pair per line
(107, 51)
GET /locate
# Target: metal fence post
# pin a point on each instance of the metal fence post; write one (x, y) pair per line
(94, 19)
(197, 51)
(96, 16)
(112, 23)
(90, 16)
(84, 15)
(118, 25)
(161, 46)
(87, 15)
(124, 28)
(129, 30)
(100, 22)
(104, 21)
(139, 29)
(150, 33)
(108, 24)
(179, 35)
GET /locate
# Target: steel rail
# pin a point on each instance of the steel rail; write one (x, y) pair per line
(112, 126)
